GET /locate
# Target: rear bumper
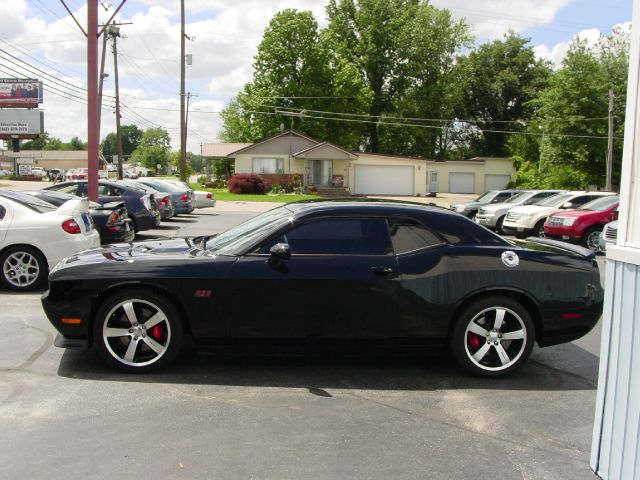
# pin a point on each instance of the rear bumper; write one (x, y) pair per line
(123, 232)
(146, 219)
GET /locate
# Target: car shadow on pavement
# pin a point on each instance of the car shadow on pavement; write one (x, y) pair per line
(183, 219)
(381, 372)
(167, 227)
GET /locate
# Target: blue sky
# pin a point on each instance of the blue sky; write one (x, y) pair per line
(41, 33)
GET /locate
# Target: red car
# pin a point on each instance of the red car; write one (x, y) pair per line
(584, 224)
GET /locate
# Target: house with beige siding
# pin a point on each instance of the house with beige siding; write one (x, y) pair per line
(291, 155)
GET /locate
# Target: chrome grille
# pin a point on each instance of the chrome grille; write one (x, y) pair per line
(555, 221)
(610, 233)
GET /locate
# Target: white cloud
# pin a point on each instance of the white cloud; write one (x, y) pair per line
(556, 53)
(226, 35)
(491, 19)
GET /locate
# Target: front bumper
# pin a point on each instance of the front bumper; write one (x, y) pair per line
(562, 233)
(489, 222)
(517, 231)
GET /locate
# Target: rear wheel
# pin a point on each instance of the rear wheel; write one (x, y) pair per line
(492, 337)
(23, 268)
(137, 331)
(591, 238)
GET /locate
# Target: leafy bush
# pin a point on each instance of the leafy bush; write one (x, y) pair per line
(202, 179)
(246, 183)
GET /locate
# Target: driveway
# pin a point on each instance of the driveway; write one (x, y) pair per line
(64, 415)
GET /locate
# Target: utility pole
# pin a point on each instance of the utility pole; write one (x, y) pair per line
(612, 112)
(183, 133)
(93, 136)
(101, 78)
(115, 33)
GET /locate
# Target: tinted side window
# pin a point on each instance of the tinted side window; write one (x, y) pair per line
(578, 201)
(71, 188)
(408, 235)
(341, 236)
(2, 212)
(538, 196)
(501, 197)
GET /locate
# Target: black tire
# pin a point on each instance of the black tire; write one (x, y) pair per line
(499, 225)
(538, 230)
(492, 355)
(590, 239)
(23, 268)
(156, 344)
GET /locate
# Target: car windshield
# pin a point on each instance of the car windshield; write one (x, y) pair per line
(28, 201)
(517, 197)
(555, 200)
(600, 204)
(233, 241)
(486, 196)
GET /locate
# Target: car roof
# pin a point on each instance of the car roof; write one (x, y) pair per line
(363, 205)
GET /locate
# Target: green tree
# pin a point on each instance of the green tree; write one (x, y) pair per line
(499, 80)
(37, 143)
(368, 34)
(77, 144)
(573, 110)
(56, 144)
(131, 137)
(432, 39)
(294, 63)
(154, 149)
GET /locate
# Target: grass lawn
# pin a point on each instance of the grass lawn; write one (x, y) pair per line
(225, 196)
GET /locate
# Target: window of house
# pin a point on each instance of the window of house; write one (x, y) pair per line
(268, 165)
(408, 235)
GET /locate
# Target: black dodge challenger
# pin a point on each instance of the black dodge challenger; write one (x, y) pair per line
(329, 273)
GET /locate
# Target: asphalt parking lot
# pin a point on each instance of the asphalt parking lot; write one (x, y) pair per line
(64, 415)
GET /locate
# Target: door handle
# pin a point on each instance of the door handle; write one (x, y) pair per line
(382, 270)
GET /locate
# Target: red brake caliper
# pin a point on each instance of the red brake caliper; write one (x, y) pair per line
(156, 332)
(474, 341)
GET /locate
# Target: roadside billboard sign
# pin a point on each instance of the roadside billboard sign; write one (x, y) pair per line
(21, 123)
(20, 92)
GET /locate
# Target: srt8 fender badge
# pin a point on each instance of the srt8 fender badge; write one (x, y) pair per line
(510, 259)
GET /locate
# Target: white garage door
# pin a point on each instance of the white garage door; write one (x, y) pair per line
(496, 182)
(462, 183)
(384, 180)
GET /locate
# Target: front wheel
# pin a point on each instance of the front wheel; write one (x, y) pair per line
(137, 331)
(538, 230)
(492, 337)
(591, 239)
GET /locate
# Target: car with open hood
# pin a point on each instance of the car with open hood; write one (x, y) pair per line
(329, 274)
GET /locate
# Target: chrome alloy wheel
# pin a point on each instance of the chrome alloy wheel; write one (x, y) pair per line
(495, 339)
(21, 269)
(592, 241)
(136, 332)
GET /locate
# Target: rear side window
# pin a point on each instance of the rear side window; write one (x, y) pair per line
(2, 212)
(576, 202)
(408, 236)
(339, 236)
(501, 197)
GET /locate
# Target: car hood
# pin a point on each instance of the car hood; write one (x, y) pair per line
(468, 204)
(166, 250)
(574, 213)
(531, 209)
(494, 207)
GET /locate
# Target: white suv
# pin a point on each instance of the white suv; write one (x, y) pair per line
(492, 215)
(529, 219)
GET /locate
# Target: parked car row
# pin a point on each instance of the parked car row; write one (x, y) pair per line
(577, 217)
(39, 228)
